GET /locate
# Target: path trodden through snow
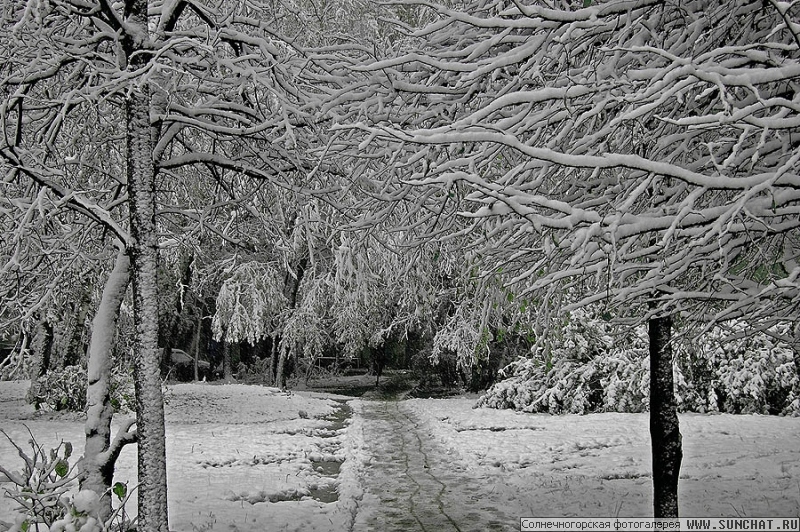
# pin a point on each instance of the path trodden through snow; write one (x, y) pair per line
(410, 483)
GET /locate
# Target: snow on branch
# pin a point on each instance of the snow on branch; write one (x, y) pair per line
(627, 147)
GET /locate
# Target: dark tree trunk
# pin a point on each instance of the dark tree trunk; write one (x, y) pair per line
(273, 362)
(74, 347)
(227, 373)
(294, 283)
(280, 373)
(196, 346)
(165, 361)
(379, 357)
(664, 430)
(292, 289)
(42, 349)
(143, 252)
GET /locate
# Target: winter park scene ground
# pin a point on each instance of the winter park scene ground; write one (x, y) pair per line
(253, 458)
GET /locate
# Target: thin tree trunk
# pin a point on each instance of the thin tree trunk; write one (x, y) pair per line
(100, 455)
(74, 348)
(153, 515)
(664, 429)
(197, 347)
(292, 289)
(280, 373)
(15, 364)
(309, 370)
(227, 374)
(273, 362)
(42, 348)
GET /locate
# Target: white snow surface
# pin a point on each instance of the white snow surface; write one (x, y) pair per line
(598, 465)
(231, 449)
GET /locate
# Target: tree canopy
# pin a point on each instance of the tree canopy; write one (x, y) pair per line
(610, 151)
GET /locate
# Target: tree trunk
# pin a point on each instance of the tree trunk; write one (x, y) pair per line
(42, 348)
(100, 455)
(273, 362)
(280, 373)
(73, 349)
(197, 346)
(15, 364)
(144, 256)
(227, 374)
(664, 430)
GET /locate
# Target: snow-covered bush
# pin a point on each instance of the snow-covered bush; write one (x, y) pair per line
(614, 380)
(580, 369)
(40, 487)
(42, 490)
(584, 369)
(83, 513)
(65, 389)
(732, 370)
(256, 372)
(460, 337)
(62, 390)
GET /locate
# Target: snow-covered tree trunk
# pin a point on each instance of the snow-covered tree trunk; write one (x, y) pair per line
(664, 428)
(144, 252)
(100, 455)
(144, 255)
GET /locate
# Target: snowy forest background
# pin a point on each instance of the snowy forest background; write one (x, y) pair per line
(555, 199)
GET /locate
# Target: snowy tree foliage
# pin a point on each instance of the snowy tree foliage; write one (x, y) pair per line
(249, 303)
(620, 148)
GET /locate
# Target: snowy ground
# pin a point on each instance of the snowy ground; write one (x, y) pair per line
(252, 458)
(599, 464)
(237, 456)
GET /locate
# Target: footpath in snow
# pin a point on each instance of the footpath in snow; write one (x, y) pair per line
(412, 483)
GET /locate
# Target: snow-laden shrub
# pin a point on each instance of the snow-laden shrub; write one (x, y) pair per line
(580, 370)
(729, 370)
(587, 370)
(65, 389)
(617, 382)
(47, 498)
(461, 338)
(121, 389)
(81, 514)
(40, 488)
